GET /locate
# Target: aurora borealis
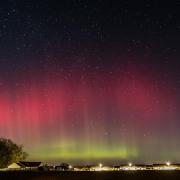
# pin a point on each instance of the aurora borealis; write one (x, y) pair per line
(91, 81)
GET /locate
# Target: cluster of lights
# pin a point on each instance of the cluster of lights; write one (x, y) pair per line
(167, 163)
(130, 166)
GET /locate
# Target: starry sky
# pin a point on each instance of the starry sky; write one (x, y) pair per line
(88, 81)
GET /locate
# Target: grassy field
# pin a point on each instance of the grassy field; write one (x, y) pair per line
(136, 175)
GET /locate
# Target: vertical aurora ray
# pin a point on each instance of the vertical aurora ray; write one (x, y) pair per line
(86, 119)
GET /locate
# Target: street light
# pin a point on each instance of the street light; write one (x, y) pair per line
(168, 163)
(100, 165)
(130, 164)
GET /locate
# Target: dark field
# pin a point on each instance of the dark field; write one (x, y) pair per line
(161, 175)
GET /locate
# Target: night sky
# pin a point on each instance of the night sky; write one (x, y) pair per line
(91, 81)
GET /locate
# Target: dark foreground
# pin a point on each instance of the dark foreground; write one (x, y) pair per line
(144, 175)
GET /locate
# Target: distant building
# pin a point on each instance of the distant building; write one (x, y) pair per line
(116, 168)
(15, 166)
(127, 167)
(103, 168)
(23, 165)
(165, 167)
(84, 168)
(131, 166)
(140, 167)
(149, 167)
(46, 167)
(177, 166)
(63, 167)
(99, 167)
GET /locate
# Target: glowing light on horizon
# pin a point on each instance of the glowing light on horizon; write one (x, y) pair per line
(100, 165)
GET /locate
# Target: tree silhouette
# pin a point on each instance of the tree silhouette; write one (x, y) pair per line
(10, 152)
